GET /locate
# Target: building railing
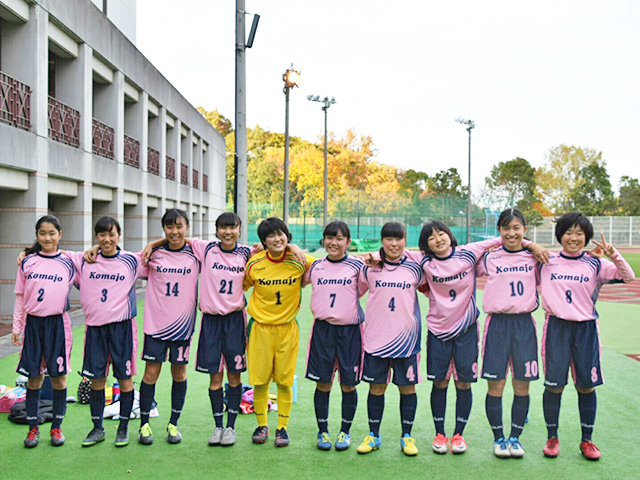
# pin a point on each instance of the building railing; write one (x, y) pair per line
(184, 174)
(131, 152)
(195, 181)
(15, 102)
(64, 123)
(170, 168)
(205, 182)
(153, 161)
(102, 143)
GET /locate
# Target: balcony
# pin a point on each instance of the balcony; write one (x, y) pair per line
(15, 102)
(195, 182)
(102, 139)
(205, 182)
(64, 123)
(131, 152)
(170, 168)
(153, 161)
(184, 174)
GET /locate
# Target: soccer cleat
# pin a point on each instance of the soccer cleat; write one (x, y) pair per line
(369, 444)
(515, 448)
(501, 448)
(440, 444)
(122, 437)
(260, 434)
(552, 448)
(458, 445)
(408, 444)
(228, 437)
(145, 437)
(173, 435)
(95, 435)
(324, 441)
(32, 438)
(216, 436)
(590, 451)
(282, 437)
(343, 441)
(57, 438)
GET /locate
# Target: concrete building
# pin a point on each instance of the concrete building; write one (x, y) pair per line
(88, 127)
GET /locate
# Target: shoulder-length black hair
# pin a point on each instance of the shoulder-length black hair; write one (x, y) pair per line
(427, 231)
(35, 248)
(572, 219)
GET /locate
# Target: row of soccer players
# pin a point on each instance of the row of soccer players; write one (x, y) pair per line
(391, 333)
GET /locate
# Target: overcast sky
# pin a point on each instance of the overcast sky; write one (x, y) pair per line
(531, 75)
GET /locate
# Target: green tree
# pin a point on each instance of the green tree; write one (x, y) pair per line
(412, 183)
(629, 199)
(593, 194)
(446, 181)
(561, 175)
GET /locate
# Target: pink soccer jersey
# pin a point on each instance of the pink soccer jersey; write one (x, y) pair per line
(222, 275)
(171, 300)
(452, 288)
(392, 315)
(44, 282)
(511, 283)
(335, 290)
(108, 286)
(570, 285)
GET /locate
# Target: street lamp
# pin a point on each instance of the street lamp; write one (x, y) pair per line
(470, 126)
(326, 104)
(291, 79)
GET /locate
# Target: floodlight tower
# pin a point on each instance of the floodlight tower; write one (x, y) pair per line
(470, 126)
(326, 103)
(291, 80)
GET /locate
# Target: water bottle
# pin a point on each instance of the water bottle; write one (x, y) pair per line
(295, 388)
(116, 392)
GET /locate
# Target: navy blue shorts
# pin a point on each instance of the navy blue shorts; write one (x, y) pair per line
(155, 350)
(110, 344)
(510, 340)
(335, 347)
(223, 341)
(571, 344)
(44, 345)
(378, 369)
(458, 355)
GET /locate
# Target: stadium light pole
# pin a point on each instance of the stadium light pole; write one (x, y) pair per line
(470, 126)
(291, 79)
(326, 103)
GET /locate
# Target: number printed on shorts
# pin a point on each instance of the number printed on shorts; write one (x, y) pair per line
(171, 290)
(60, 362)
(332, 296)
(594, 374)
(127, 367)
(531, 369)
(239, 362)
(567, 295)
(474, 369)
(41, 294)
(411, 375)
(183, 353)
(226, 287)
(516, 287)
(104, 295)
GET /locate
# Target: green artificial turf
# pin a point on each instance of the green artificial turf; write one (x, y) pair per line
(616, 430)
(634, 260)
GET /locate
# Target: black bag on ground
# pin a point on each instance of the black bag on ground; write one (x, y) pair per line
(83, 390)
(19, 412)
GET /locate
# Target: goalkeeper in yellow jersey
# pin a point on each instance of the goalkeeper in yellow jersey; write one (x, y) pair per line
(276, 277)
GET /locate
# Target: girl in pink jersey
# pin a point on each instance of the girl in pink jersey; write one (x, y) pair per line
(335, 342)
(170, 310)
(108, 298)
(392, 335)
(40, 314)
(569, 285)
(452, 339)
(510, 295)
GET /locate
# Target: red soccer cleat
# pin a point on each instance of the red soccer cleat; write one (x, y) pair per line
(590, 451)
(552, 448)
